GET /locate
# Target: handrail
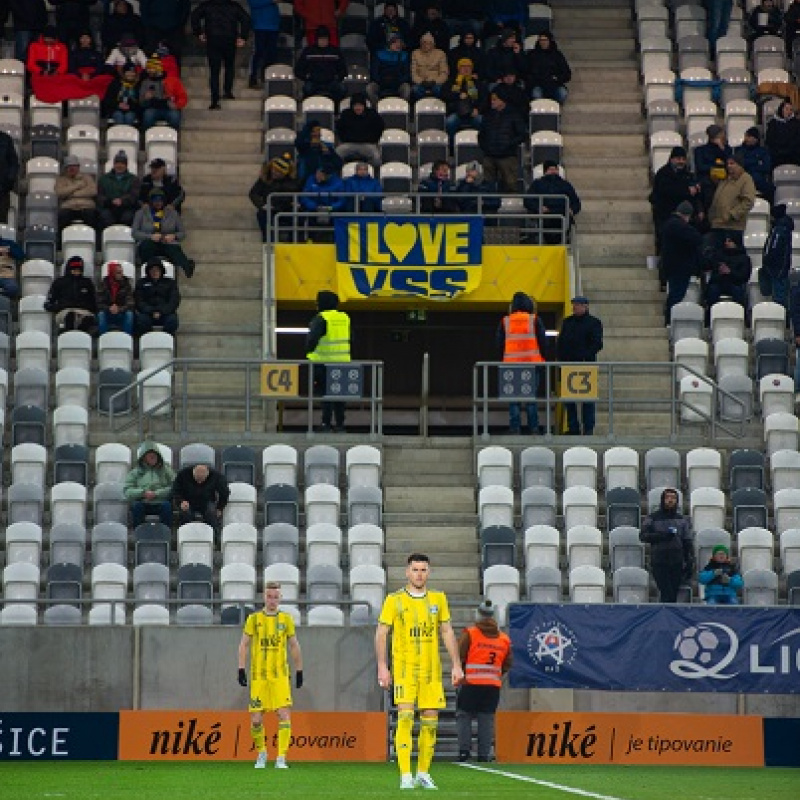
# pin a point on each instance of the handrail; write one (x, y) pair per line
(425, 393)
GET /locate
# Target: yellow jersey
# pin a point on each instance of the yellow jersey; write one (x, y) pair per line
(269, 634)
(415, 625)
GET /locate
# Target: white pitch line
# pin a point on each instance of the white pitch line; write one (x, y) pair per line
(550, 784)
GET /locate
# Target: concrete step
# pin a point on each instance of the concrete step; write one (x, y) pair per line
(590, 144)
(603, 243)
(465, 558)
(238, 214)
(193, 140)
(456, 499)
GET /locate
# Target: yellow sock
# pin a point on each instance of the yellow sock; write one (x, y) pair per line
(402, 740)
(257, 732)
(284, 735)
(426, 743)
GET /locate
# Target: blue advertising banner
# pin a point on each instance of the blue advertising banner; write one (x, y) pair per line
(656, 648)
(434, 258)
(58, 737)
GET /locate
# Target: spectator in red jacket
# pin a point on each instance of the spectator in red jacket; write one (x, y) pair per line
(48, 56)
(321, 13)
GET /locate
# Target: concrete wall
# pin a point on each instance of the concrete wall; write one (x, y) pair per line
(107, 669)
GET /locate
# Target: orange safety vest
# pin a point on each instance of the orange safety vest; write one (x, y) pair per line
(521, 342)
(485, 658)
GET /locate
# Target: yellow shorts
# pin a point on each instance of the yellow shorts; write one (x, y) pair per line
(270, 695)
(425, 694)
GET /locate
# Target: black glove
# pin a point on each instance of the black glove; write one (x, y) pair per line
(242, 678)
(298, 678)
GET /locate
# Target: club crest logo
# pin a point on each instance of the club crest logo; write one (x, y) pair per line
(553, 646)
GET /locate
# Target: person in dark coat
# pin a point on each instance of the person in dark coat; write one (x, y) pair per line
(709, 162)
(85, 60)
(671, 541)
(430, 21)
(72, 299)
(757, 163)
(368, 190)
(500, 136)
(514, 88)
(467, 47)
(9, 172)
(122, 19)
(765, 19)
(322, 68)
(164, 21)
(783, 136)
(30, 19)
(438, 185)
(383, 28)
(791, 22)
(548, 72)
(73, 17)
(773, 276)
(201, 494)
(11, 256)
(359, 128)
(314, 153)
(545, 196)
(506, 56)
(729, 274)
(472, 185)
(158, 179)
(157, 300)
(794, 315)
(121, 101)
(681, 254)
(277, 176)
(390, 72)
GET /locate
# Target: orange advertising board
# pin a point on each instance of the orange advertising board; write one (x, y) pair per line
(595, 738)
(225, 736)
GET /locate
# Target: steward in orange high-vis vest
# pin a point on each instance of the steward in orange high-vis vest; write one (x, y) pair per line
(522, 337)
(486, 656)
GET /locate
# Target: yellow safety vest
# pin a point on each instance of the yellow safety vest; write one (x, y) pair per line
(335, 344)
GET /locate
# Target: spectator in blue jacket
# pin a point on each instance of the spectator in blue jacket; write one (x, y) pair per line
(313, 152)
(266, 18)
(390, 72)
(11, 254)
(322, 191)
(757, 163)
(721, 578)
(369, 190)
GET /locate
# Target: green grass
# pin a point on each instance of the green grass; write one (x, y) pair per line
(346, 781)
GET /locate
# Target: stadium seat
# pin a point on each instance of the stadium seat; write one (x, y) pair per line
(368, 583)
(754, 546)
(584, 546)
(150, 614)
(239, 544)
(237, 584)
(152, 543)
(746, 470)
(112, 462)
(772, 358)
(495, 507)
(324, 583)
(74, 350)
(538, 506)
(542, 547)
(364, 505)
(789, 543)
(620, 467)
(501, 586)
(498, 546)
(196, 544)
(321, 465)
(580, 467)
(587, 584)
(543, 585)
(72, 387)
(32, 387)
(707, 506)
(279, 463)
(760, 588)
(781, 432)
(33, 351)
(194, 614)
(67, 544)
(29, 464)
(239, 464)
(325, 616)
(786, 505)
(625, 549)
(28, 425)
(110, 544)
(696, 397)
(18, 614)
(193, 454)
(242, 503)
(280, 543)
(365, 545)
(686, 321)
(631, 585)
(537, 467)
(68, 503)
(151, 583)
(579, 506)
(23, 543)
(662, 467)
(323, 544)
(288, 576)
(110, 503)
(62, 614)
(322, 504)
(703, 468)
(623, 507)
(776, 394)
(65, 583)
(195, 584)
(785, 470)
(25, 503)
(495, 467)
(749, 508)
(110, 584)
(363, 466)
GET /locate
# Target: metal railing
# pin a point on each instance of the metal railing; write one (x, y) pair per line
(625, 389)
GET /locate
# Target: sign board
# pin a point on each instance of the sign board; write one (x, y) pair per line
(580, 382)
(280, 380)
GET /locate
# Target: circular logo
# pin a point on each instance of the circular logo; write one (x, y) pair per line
(705, 650)
(552, 646)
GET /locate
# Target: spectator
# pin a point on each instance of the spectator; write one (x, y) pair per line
(517, 95)
(115, 301)
(158, 232)
(77, 193)
(709, 162)
(783, 136)
(794, 313)
(428, 69)
(719, 16)
(465, 96)
(439, 191)
(390, 72)
(48, 56)
(500, 136)
(522, 337)
(11, 254)
(671, 541)
(505, 57)
(148, 486)
(721, 579)
(430, 21)
(464, 17)
(486, 655)
(72, 19)
(368, 189)
(729, 274)
(791, 21)
(322, 68)
(765, 20)
(732, 202)
(165, 21)
(125, 53)
(473, 184)
(314, 152)
(328, 341)
(322, 192)
(580, 339)
(757, 163)
(773, 277)
(222, 26)
(118, 193)
(674, 183)
(9, 172)
(546, 195)
(266, 19)
(681, 255)
(157, 299)
(383, 28)
(278, 176)
(158, 179)
(201, 494)
(30, 19)
(548, 71)
(72, 299)
(467, 47)
(85, 60)
(321, 14)
(359, 128)
(122, 19)
(161, 98)
(121, 101)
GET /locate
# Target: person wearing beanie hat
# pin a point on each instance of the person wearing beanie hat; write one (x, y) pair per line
(429, 70)
(542, 198)
(118, 193)
(120, 104)
(522, 339)
(464, 96)
(322, 68)
(721, 578)
(733, 199)
(359, 129)
(161, 96)
(157, 299)
(728, 276)
(158, 177)
(671, 539)
(72, 299)
(766, 19)
(505, 57)
(328, 341)
(471, 186)
(438, 190)
(76, 192)
(383, 28)
(548, 71)
(500, 135)
(158, 232)
(486, 655)
(279, 177)
(115, 303)
(709, 162)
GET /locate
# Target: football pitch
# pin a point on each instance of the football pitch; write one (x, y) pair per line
(348, 781)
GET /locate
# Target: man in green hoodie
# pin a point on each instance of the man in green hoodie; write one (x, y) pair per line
(148, 486)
